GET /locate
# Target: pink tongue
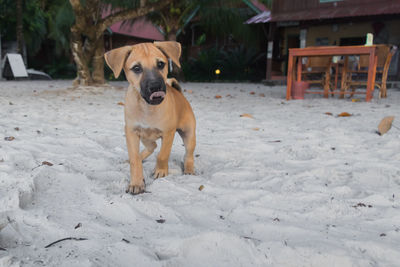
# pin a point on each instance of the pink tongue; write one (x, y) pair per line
(157, 94)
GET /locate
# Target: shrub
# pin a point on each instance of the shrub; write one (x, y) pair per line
(238, 63)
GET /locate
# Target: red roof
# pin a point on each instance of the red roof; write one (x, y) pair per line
(141, 28)
(294, 10)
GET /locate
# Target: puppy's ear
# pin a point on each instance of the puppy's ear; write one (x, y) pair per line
(171, 49)
(116, 59)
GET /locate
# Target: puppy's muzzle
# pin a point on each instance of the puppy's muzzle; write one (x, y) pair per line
(153, 91)
(157, 90)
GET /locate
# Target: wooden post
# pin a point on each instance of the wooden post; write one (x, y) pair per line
(270, 47)
(289, 77)
(343, 86)
(371, 74)
(299, 66)
(269, 60)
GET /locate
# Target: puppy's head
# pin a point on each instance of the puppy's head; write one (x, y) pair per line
(145, 66)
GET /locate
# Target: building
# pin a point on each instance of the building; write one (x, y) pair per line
(294, 23)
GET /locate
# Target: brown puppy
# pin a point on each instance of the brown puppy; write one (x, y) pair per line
(153, 108)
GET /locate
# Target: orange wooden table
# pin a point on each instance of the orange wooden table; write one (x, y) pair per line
(332, 51)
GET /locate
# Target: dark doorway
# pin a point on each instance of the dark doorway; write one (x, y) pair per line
(293, 41)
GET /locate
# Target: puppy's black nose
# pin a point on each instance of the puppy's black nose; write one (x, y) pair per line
(154, 86)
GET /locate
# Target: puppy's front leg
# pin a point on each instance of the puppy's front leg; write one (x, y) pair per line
(162, 158)
(136, 185)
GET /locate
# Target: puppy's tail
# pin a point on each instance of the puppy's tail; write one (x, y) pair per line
(174, 83)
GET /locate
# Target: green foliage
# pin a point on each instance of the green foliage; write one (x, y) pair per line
(42, 21)
(177, 13)
(60, 20)
(201, 40)
(126, 3)
(237, 63)
(34, 21)
(7, 18)
(226, 17)
(203, 67)
(61, 69)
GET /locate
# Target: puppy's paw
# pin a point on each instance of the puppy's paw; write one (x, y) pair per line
(158, 173)
(188, 171)
(188, 168)
(135, 189)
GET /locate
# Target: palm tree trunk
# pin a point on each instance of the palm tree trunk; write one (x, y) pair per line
(98, 62)
(82, 64)
(172, 36)
(88, 57)
(20, 29)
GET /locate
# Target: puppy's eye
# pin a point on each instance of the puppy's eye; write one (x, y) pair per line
(160, 65)
(137, 69)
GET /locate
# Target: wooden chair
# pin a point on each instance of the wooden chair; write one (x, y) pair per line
(358, 77)
(317, 70)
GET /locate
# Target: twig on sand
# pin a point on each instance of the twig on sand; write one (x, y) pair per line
(251, 238)
(126, 240)
(67, 238)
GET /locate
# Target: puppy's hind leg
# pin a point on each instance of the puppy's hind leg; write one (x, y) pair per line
(149, 145)
(189, 139)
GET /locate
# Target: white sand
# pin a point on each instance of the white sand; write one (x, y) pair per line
(306, 189)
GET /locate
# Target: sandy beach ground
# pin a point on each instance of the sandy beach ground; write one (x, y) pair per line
(289, 184)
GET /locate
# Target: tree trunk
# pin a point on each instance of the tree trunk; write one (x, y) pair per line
(83, 41)
(172, 35)
(81, 61)
(20, 29)
(172, 25)
(88, 56)
(98, 62)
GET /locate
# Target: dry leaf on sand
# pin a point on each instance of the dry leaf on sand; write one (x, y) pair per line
(262, 95)
(252, 93)
(247, 115)
(385, 125)
(344, 114)
(328, 113)
(256, 129)
(121, 104)
(218, 96)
